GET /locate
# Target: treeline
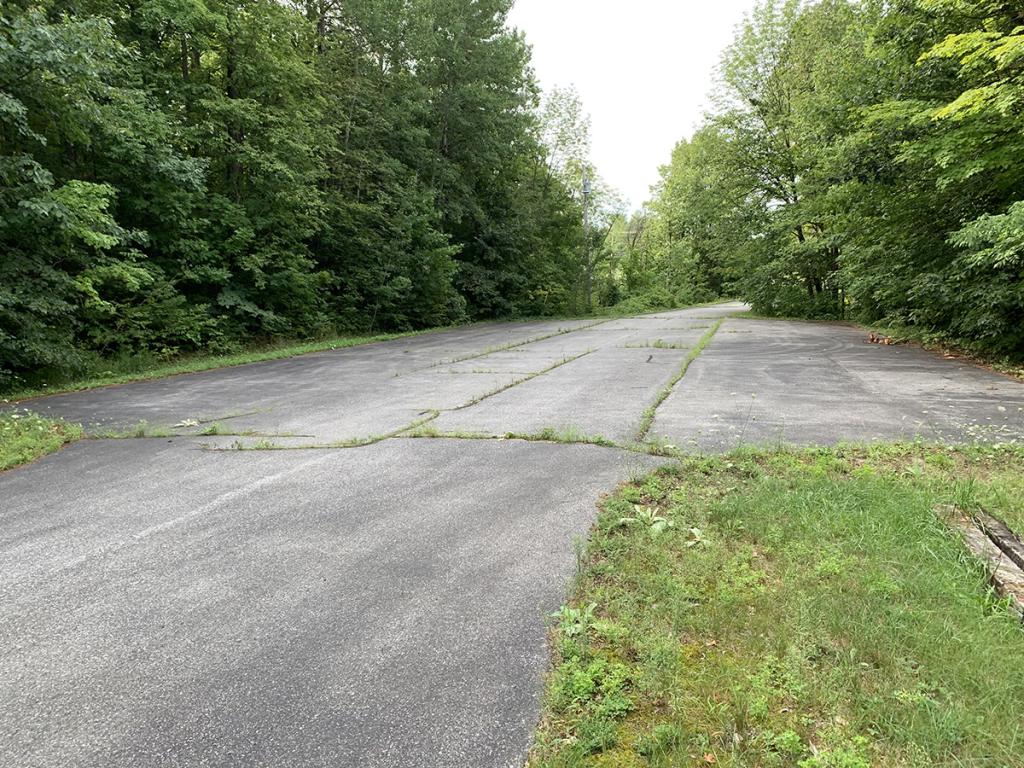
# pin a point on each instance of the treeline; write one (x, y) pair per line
(863, 160)
(196, 174)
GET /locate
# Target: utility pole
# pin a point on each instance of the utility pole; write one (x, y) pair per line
(588, 269)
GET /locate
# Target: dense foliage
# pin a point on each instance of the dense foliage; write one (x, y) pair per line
(180, 175)
(863, 160)
(197, 174)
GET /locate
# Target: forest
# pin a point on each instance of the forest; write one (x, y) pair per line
(862, 161)
(182, 175)
(202, 175)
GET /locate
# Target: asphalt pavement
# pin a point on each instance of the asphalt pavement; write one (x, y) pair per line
(343, 594)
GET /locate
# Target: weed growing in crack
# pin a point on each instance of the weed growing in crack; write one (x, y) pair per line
(647, 419)
(567, 435)
(140, 430)
(516, 344)
(656, 344)
(521, 380)
(408, 430)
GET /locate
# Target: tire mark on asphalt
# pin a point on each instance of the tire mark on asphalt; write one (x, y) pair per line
(167, 525)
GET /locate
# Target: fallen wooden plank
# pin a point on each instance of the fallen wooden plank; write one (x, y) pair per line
(1001, 536)
(1006, 576)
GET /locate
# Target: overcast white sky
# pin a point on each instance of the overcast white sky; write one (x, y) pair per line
(642, 67)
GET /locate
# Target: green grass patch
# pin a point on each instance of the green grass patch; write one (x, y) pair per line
(790, 608)
(26, 436)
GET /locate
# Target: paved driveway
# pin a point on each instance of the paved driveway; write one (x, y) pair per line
(173, 601)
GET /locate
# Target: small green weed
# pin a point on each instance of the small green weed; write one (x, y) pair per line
(574, 622)
(649, 519)
(595, 687)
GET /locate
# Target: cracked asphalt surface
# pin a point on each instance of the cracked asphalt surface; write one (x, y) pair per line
(383, 605)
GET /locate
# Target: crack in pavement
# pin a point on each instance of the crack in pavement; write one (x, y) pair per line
(549, 435)
(355, 442)
(517, 382)
(360, 442)
(647, 420)
(504, 347)
(639, 445)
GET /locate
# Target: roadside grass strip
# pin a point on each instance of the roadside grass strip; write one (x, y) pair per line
(149, 367)
(647, 419)
(802, 608)
(26, 436)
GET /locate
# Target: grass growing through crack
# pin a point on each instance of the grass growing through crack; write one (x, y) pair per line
(656, 344)
(567, 435)
(355, 442)
(789, 608)
(564, 435)
(26, 436)
(522, 380)
(516, 344)
(647, 419)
